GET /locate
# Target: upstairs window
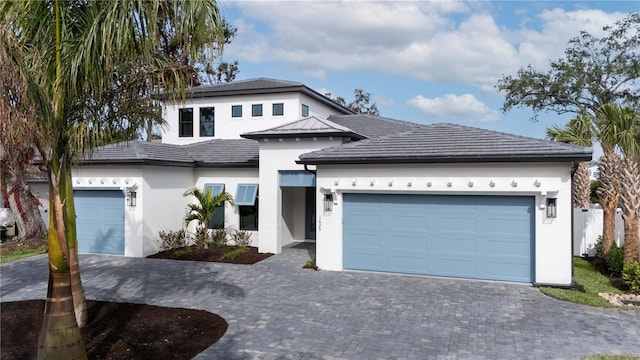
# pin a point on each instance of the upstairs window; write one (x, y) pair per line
(185, 122)
(305, 110)
(278, 109)
(207, 122)
(256, 110)
(236, 111)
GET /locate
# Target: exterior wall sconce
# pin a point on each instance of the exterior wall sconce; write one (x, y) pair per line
(551, 208)
(328, 202)
(131, 198)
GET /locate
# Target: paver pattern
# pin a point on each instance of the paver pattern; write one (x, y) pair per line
(277, 310)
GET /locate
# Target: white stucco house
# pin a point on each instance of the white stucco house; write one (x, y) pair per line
(373, 193)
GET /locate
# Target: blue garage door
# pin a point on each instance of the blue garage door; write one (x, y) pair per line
(482, 237)
(100, 221)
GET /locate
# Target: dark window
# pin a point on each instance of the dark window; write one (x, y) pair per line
(185, 122)
(305, 110)
(236, 111)
(278, 109)
(256, 110)
(249, 217)
(207, 121)
(217, 221)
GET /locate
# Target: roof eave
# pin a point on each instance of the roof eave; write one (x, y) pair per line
(136, 162)
(447, 159)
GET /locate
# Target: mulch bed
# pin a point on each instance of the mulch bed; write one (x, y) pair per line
(213, 254)
(117, 331)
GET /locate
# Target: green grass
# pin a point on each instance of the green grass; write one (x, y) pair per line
(593, 283)
(20, 254)
(611, 357)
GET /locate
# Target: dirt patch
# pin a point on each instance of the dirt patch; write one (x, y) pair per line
(213, 254)
(16, 244)
(117, 331)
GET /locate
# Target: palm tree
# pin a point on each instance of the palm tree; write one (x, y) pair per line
(577, 131)
(620, 129)
(205, 208)
(68, 54)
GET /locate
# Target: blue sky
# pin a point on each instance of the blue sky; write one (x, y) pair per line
(422, 61)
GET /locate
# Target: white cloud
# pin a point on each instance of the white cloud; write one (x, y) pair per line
(436, 41)
(451, 107)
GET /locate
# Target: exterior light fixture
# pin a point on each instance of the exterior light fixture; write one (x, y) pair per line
(131, 198)
(328, 202)
(551, 208)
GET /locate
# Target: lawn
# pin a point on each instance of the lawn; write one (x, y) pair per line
(591, 280)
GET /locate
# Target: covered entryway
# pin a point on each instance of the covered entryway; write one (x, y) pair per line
(298, 204)
(100, 221)
(482, 237)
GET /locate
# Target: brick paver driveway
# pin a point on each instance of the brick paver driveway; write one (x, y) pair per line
(277, 310)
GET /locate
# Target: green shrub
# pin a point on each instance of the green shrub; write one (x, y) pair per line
(234, 253)
(599, 247)
(219, 237)
(172, 239)
(631, 275)
(241, 238)
(615, 260)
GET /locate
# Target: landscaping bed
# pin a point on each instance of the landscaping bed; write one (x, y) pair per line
(117, 331)
(213, 254)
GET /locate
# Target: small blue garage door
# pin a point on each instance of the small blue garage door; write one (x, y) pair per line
(482, 237)
(100, 221)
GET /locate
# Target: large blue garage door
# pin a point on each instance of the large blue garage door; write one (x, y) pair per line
(482, 237)
(100, 221)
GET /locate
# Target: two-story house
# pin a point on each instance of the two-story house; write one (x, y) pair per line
(373, 193)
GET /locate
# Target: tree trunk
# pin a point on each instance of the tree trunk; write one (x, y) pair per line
(630, 201)
(23, 205)
(581, 186)
(79, 300)
(60, 336)
(608, 167)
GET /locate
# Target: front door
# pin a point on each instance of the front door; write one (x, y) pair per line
(310, 213)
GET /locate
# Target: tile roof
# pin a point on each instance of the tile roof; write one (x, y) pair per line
(244, 85)
(212, 153)
(372, 126)
(446, 143)
(307, 127)
(136, 151)
(225, 152)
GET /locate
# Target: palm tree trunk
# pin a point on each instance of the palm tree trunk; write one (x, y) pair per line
(630, 199)
(608, 167)
(581, 186)
(60, 336)
(79, 300)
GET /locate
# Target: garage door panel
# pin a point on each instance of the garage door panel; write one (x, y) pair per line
(486, 237)
(100, 221)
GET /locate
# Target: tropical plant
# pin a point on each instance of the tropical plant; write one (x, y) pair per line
(577, 131)
(69, 55)
(619, 129)
(204, 208)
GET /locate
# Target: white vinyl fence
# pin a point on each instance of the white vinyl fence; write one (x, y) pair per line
(587, 226)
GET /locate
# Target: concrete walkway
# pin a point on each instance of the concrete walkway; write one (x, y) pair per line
(277, 310)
